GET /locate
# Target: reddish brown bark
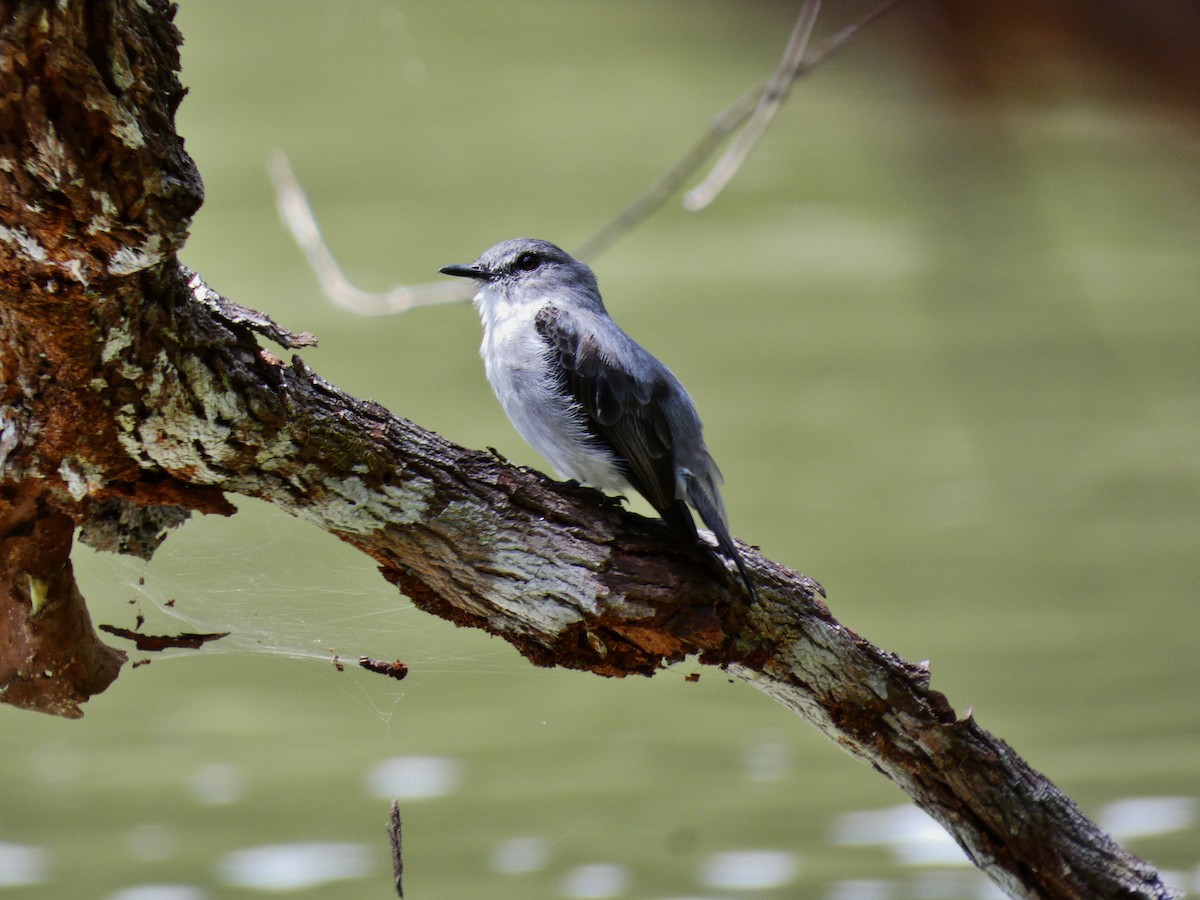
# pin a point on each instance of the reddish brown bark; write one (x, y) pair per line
(50, 657)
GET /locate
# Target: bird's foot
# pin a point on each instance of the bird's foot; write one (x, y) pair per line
(578, 487)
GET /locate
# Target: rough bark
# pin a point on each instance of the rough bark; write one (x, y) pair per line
(133, 395)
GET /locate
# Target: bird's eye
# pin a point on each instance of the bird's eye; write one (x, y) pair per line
(527, 262)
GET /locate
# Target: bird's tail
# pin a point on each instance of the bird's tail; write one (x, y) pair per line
(704, 497)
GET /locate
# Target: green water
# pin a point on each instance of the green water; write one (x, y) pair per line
(948, 359)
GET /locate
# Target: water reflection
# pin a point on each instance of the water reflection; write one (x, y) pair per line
(913, 837)
(21, 864)
(594, 882)
(151, 842)
(1137, 817)
(861, 889)
(414, 777)
(57, 764)
(767, 761)
(748, 870)
(517, 856)
(218, 784)
(292, 867)
(952, 885)
(160, 892)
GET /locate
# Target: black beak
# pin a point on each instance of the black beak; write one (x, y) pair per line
(471, 271)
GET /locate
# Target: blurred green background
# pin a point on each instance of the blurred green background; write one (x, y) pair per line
(944, 332)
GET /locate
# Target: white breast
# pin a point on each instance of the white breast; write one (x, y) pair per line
(515, 359)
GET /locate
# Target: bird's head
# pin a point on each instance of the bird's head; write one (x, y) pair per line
(525, 270)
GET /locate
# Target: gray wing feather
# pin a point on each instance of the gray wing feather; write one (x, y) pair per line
(624, 412)
(630, 415)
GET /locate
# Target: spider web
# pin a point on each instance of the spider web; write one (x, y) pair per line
(278, 586)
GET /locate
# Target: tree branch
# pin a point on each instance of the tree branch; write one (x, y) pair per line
(134, 395)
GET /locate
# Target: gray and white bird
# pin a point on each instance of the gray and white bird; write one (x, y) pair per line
(585, 395)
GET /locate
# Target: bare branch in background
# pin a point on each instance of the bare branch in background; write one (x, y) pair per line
(776, 91)
(758, 105)
(298, 216)
(646, 203)
(725, 124)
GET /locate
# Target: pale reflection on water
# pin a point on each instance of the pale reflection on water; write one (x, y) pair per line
(519, 855)
(908, 834)
(861, 889)
(915, 839)
(595, 882)
(767, 761)
(151, 842)
(911, 835)
(1136, 817)
(218, 784)
(293, 867)
(22, 865)
(414, 777)
(750, 870)
(160, 892)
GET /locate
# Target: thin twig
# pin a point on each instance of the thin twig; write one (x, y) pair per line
(776, 92)
(836, 41)
(297, 215)
(725, 123)
(762, 102)
(642, 206)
